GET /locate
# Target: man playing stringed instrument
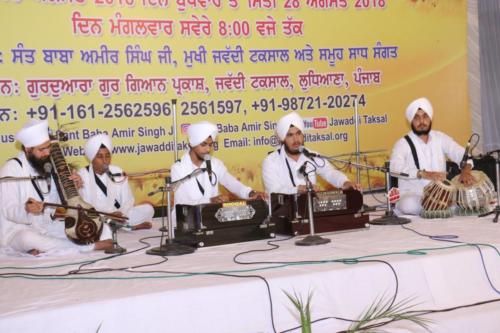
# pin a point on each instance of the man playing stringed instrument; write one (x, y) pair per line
(108, 193)
(26, 225)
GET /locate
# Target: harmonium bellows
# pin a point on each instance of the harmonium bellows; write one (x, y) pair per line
(223, 223)
(337, 210)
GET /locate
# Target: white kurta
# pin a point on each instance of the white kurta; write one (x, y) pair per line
(278, 177)
(431, 156)
(118, 190)
(24, 231)
(189, 193)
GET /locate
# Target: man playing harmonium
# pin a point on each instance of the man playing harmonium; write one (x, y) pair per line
(429, 163)
(26, 225)
(280, 169)
(107, 193)
(204, 187)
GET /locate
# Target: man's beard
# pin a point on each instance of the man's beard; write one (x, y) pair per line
(421, 132)
(297, 152)
(38, 163)
(201, 157)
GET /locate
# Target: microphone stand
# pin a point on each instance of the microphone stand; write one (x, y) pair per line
(9, 178)
(356, 137)
(115, 226)
(390, 218)
(174, 127)
(310, 239)
(170, 248)
(495, 210)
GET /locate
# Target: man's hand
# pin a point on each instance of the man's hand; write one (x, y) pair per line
(303, 188)
(253, 195)
(33, 206)
(59, 214)
(77, 180)
(466, 176)
(350, 185)
(219, 199)
(432, 175)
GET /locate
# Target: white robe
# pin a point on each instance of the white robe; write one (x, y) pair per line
(431, 156)
(277, 177)
(23, 231)
(188, 193)
(118, 190)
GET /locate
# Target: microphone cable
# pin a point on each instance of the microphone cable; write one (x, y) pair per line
(451, 239)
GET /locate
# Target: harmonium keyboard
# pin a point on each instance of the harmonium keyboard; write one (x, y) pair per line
(223, 223)
(333, 211)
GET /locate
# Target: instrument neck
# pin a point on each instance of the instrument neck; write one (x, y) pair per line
(66, 187)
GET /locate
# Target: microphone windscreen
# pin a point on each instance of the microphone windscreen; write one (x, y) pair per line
(47, 167)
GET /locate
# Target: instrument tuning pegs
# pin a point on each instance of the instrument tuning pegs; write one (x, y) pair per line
(62, 136)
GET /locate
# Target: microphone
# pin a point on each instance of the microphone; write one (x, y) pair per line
(158, 190)
(306, 152)
(208, 162)
(108, 172)
(463, 163)
(116, 174)
(47, 167)
(112, 175)
(302, 169)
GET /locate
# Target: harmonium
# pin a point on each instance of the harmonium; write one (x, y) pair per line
(333, 211)
(223, 223)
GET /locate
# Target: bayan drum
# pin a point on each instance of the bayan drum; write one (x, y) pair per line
(474, 199)
(437, 199)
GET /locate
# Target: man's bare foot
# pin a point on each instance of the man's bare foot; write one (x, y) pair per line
(34, 252)
(103, 245)
(143, 225)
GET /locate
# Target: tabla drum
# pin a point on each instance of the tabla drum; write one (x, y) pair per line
(474, 199)
(437, 199)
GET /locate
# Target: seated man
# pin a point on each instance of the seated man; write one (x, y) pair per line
(429, 162)
(204, 188)
(280, 169)
(104, 192)
(25, 224)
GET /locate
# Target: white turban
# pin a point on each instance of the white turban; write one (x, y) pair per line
(285, 122)
(421, 103)
(199, 132)
(94, 144)
(34, 133)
